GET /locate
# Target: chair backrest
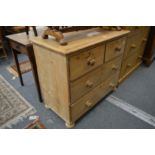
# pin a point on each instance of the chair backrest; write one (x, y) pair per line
(34, 30)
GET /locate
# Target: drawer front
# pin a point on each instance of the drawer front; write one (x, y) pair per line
(111, 68)
(18, 47)
(89, 100)
(86, 61)
(88, 82)
(114, 49)
(136, 43)
(132, 46)
(128, 65)
(85, 84)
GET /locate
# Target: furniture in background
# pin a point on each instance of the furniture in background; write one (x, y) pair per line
(14, 29)
(73, 78)
(27, 29)
(3, 53)
(149, 53)
(134, 50)
(20, 43)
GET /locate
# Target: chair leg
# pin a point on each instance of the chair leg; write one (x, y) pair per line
(27, 30)
(35, 30)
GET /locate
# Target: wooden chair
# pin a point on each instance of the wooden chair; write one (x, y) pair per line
(3, 53)
(27, 28)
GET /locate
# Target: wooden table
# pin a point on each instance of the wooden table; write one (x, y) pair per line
(20, 43)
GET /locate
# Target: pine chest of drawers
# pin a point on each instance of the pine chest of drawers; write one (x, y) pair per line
(77, 76)
(134, 50)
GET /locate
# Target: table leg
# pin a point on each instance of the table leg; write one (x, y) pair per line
(17, 66)
(31, 56)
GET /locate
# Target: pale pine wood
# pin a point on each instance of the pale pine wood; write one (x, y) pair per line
(134, 50)
(79, 40)
(88, 82)
(88, 101)
(53, 77)
(67, 80)
(114, 49)
(86, 61)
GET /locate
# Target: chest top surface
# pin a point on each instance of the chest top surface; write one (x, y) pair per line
(79, 40)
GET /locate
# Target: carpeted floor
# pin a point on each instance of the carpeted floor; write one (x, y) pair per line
(138, 90)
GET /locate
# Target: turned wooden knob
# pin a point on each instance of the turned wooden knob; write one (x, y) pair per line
(112, 85)
(144, 40)
(129, 65)
(118, 49)
(88, 104)
(115, 68)
(133, 46)
(91, 62)
(140, 57)
(89, 84)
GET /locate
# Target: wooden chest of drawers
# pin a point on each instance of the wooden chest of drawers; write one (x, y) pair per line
(134, 50)
(75, 77)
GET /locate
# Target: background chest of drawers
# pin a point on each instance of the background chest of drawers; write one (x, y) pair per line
(75, 77)
(134, 50)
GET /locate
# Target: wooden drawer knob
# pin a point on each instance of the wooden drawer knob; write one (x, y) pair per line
(144, 40)
(112, 85)
(118, 49)
(129, 65)
(88, 104)
(89, 84)
(114, 68)
(133, 46)
(91, 62)
(140, 57)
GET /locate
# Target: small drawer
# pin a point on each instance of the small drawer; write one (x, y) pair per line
(18, 47)
(88, 101)
(86, 61)
(132, 45)
(111, 68)
(114, 49)
(128, 65)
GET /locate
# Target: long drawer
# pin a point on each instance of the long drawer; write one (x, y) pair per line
(88, 82)
(88, 101)
(86, 61)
